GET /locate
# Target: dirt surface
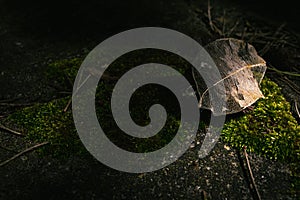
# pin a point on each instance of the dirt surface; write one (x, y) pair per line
(33, 34)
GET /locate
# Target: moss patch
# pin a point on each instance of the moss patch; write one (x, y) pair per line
(270, 129)
(62, 73)
(48, 122)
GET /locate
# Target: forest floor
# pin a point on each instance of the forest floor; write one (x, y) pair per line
(31, 36)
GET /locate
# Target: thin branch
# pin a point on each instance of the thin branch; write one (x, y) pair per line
(244, 33)
(65, 92)
(233, 28)
(204, 195)
(211, 24)
(68, 105)
(22, 153)
(291, 84)
(266, 48)
(251, 174)
(10, 130)
(9, 100)
(283, 72)
(296, 107)
(16, 104)
(223, 23)
(7, 149)
(209, 15)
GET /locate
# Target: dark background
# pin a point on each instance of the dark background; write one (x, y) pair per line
(74, 18)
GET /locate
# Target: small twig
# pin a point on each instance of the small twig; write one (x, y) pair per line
(209, 15)
(244, 32)
(16, 104)
(94, 73)
(7, 149)
(10, 130)
(266, 48)
(296, 107)
(211, 24)
(251, 174)
(223, 23)
(74, 93)
(65, 92)
(283, 72)
(204, 195)
(23, 152)
(69, 79)
(291, 84)
(9, 100)
(68, 105)
(233, 28)
(295, 68)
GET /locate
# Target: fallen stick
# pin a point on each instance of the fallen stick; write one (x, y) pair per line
(266, 48)
(204, 195)
(11, 131)
(68, 105)
(283, 72)
(7, 149)
(92, 73)
(296, 107)
(22, 153)
(16, 104)
(9, 100)
(211, 24)
(251, 174)
(209, 16)
(291, 84)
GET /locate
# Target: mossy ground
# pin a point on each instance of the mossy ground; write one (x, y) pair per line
(269, 129)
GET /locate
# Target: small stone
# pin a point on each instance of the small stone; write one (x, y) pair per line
(207, 182)
(18, 44)
(234, 164)
(226, 147)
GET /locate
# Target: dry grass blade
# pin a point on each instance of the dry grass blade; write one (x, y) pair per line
(266, 48)
(22, 153)
(211, 24)
(233, 28)
(291, 84)
(16, 104)
(68, 105)
(251, 174)
(209, 15)
(296, 108)
(10, 130)
(283, 72)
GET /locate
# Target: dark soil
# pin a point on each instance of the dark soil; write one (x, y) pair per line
(34, 33)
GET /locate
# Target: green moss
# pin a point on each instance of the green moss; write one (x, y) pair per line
(270, 129)
(48, 122)
(62, 73)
